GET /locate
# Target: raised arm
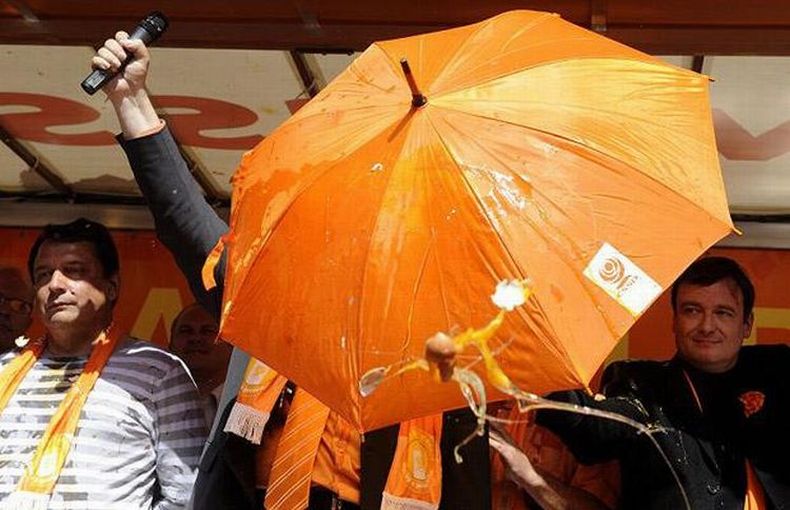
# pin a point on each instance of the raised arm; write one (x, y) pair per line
(185, 223)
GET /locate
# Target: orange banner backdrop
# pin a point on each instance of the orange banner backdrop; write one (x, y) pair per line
(153, 291)
(152, 288)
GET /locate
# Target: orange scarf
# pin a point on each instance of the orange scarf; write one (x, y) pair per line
(41, 474)
(259, 391)
(415, 478)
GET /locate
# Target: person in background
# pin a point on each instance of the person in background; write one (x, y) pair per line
(90, 417)
(16, 306)
(193, 338)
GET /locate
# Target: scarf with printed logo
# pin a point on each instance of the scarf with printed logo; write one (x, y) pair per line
(42, 472)
(415, 477)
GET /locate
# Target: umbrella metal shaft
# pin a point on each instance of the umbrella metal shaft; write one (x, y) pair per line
(417, 98)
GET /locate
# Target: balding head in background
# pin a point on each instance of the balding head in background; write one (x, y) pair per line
(16, 305)
(193, 338)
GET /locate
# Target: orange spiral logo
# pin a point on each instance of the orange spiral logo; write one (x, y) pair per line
(612, 270)
(752, 402)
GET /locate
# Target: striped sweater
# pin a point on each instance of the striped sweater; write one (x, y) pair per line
(139, 437)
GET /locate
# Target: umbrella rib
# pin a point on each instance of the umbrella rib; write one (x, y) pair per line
(583, 152)
(545, 17)
(407, 341)
(610, 114)
(583, 108)
(561, 353)
(511, 72)
(437, 254)
(472, 192)
(305, 114)
(570, 362)
(298, 119)
(582, 38)
(305, 187)
(366, 257)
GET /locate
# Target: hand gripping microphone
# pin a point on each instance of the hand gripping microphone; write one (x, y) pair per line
(148, 31)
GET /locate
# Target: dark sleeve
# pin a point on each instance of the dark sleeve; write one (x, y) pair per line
(593, 439)
(185, 223)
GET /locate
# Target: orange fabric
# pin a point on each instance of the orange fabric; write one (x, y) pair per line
(212, 259)
(337, 464)
(14, 373)
(755, 496)
(290, 476)
(337, 459)
(415, 478)
(43, 471)
(260, 388)
(338, 453)
(547, 453)
(362, 225)
(264, 455)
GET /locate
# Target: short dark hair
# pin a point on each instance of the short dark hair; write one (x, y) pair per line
(709, 270)
(79, 231)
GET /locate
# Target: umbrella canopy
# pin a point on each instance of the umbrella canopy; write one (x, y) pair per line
(369, 221)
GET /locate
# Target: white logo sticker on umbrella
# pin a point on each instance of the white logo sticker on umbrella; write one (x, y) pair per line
(622, 279)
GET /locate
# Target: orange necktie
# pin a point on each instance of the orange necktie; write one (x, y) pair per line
(289, 480)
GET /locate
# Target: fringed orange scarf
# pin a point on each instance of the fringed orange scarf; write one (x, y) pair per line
(259, 391)
(415, 478)
(38, 481)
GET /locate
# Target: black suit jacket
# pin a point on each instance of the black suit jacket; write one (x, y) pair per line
(706, 447)
(226, 479)
(189, 228)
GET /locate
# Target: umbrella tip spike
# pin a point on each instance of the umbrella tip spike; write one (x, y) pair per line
(417, 98)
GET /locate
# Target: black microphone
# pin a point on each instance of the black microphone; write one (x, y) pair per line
(147, 31)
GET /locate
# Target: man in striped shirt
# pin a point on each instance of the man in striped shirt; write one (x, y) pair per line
(140, 431)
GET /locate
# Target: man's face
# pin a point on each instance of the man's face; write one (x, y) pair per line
(193, 340)
(71, 288)
(709, 325)
(16, 299)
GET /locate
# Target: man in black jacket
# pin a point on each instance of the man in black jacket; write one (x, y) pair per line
(189, 228)
(722, 410)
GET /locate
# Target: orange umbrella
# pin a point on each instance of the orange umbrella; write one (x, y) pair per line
(525, 148)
